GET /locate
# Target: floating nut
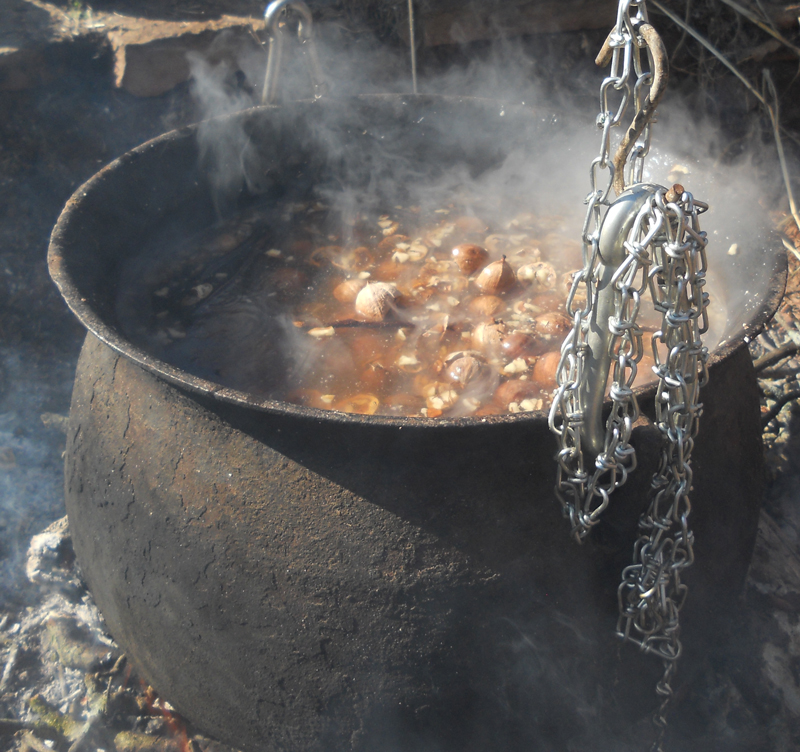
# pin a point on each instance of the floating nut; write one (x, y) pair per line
(456, 354)
(545, 370)
(540, 275)
(530, 405)
(375, 300)
(485, 305)
(488, 336)
(496, 277)
(388, 226)
(199, 292)
(515, 390)
(362, 258)
(442, 400)
(464, 366)
(469, 257)
(347, 291)
(513, 344)
(463, 370)
(552, 323)
(326, 254)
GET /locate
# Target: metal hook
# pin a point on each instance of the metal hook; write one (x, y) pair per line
(272, 14)
(617, 225)
(660, 74)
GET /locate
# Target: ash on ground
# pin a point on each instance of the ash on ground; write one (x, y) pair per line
(65, 685)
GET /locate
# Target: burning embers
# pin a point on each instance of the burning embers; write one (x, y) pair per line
(416, 312)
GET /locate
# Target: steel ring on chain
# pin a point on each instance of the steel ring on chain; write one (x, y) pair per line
(657, 88)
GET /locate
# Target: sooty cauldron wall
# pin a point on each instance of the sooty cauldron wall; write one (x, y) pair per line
(295, 579)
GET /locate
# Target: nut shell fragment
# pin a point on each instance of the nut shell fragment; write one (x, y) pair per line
(540, 275)
(465, 368)
(362, 404)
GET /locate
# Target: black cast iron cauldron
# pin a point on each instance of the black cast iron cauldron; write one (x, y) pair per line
(294, 579)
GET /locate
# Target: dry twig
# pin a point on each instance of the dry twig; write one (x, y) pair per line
(750, 16)
(790, 247)
(711, 48)
(774, 116)
(775, 356)
(784, 399)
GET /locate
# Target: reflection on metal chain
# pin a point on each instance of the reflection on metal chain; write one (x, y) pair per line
(665, 252)
(583, 493)
(651, 592)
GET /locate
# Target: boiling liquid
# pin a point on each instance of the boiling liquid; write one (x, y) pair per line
(272, 305)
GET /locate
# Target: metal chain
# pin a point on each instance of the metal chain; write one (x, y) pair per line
(651, 593)
(585, 494)
(664, 250)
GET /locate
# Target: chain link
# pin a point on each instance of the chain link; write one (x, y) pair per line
(664, 252)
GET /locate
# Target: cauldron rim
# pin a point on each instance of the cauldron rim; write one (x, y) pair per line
(110, 335)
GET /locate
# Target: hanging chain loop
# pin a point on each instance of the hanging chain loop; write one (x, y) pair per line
(647, 239)
(584, 493)
(273, 19)
(651, 593)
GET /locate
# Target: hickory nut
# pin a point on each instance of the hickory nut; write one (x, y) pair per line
(541, 276)
(496, 277)
(469, 257)
(375, 300)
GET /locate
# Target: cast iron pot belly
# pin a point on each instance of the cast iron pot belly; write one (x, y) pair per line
(294, 579)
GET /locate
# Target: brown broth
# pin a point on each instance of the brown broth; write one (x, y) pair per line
(439, 313)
